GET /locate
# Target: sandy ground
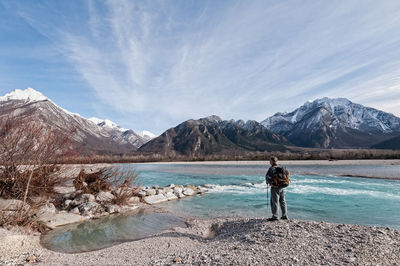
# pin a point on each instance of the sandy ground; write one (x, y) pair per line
(242, 241)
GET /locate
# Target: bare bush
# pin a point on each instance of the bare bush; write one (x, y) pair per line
(117, 180)
(28, 155)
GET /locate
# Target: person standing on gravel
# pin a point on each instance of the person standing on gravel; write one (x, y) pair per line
(278, 178)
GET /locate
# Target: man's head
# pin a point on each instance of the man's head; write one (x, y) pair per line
(273, 161)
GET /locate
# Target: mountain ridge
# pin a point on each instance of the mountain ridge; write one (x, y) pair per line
(334, 123)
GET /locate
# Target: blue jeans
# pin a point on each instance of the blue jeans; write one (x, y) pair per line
(278, 194)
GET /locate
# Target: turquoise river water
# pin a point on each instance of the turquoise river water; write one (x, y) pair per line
(317, 193)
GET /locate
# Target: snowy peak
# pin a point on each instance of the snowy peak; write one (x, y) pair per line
(105, 123)
(147, 135)
(320, 123)
(27, 95)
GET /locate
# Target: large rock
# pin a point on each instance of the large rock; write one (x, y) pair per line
(12, 205)
(188, 192)
(103, 196)
(141, 193)
(155, 199)
(179, 195)
(89, 208)
(170, 196)
(112, 208)
(87, 198)
(178, 189)
(53, 220)
(133, 200)
(80, 199)
(49, 208)
(150, 192)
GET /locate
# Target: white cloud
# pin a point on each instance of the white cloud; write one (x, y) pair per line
(234, 59)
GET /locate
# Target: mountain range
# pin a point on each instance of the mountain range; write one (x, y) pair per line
(213, 135)
(323, 123)
(335, 123)
(90, 135)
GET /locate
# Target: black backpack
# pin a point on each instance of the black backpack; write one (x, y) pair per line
(281, 177)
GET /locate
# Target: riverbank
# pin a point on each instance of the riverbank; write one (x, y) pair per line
(243, 241)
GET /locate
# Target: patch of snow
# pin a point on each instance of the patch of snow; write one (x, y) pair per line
(147, 134)
(28, 95)
(106, 123)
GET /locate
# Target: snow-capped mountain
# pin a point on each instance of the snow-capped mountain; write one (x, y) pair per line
(103, 137)
(120, 134)
(147, 135)
(334, 123)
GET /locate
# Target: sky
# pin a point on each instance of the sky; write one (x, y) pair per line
(150, 65)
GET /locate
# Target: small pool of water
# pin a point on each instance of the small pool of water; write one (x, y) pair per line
(108, 231)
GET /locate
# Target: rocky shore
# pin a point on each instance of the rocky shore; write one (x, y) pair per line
(241, 241)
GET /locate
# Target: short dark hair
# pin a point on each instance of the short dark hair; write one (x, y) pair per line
(274, 159)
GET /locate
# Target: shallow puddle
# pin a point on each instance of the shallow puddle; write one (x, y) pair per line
(108, 231)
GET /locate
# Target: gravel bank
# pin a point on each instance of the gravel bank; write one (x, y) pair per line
(241, 241)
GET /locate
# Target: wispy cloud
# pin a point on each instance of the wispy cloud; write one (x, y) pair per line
(172, 60)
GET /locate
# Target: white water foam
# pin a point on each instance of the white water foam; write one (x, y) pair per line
(258, 188)
(238, 189)
(301, 189)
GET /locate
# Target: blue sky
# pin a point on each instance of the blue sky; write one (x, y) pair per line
(152, 64)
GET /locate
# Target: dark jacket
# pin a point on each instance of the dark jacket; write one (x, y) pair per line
(270, 174)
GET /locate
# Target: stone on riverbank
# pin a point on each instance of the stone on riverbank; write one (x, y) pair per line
(104, 196)
(154, 199)
(53, 220)
(12, 205)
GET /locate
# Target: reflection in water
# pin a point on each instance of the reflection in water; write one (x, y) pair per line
(108, 231)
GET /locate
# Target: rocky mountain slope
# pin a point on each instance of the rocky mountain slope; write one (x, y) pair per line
(213, 135)
(90, 135)
(334, 123)
(390, 144)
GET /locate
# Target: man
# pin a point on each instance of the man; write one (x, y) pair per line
(277, 188)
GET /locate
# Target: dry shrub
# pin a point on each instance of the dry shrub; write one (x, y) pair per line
(13, 182)
(114, 179)
(93, 183)
(26, 218)
(28, 154)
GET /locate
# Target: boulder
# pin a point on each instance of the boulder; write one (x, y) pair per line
(89, 208)
(153, 199)
(112, 208)
(142, 193)
(179, 195)
(103, 196)
(171, 186)
(49, 208)
(133, 200)
(156, 187)
(167, 189)
(178, 189)
(62, 218)
(170, 196)
(12, 204)
(87, 198)
(188, 192)
(150, 192)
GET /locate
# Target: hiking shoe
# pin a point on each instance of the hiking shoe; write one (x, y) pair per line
(272, 219)
(284, 218)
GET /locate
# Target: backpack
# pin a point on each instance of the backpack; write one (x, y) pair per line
(281, 177)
